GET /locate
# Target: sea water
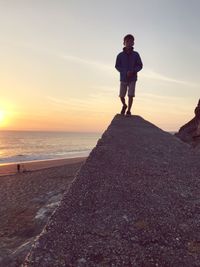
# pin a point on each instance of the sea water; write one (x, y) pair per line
(22, 146)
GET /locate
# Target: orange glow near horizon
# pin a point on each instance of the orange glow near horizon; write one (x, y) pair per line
(7, 115)
(13, 117)
(2, 118)
(51, 121)
(1, 115)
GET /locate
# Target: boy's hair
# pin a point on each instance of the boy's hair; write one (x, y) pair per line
(128, 37)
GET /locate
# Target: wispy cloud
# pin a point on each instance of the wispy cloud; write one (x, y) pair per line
(167, 103)
(72, 103)
(103, 91)
(93, 102)
(157, 76)
(94, 64)
(148, 74)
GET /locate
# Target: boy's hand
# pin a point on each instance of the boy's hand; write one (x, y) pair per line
(130, 74)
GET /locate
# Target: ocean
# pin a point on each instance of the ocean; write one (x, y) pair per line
(23, 146)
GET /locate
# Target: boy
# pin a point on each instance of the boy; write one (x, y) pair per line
(128, 63)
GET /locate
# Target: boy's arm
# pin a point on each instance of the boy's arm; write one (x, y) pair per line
(118, 64)
(138, 65)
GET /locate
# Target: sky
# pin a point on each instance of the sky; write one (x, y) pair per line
(57, 62)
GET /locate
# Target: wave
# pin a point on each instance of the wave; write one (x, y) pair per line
(55, 155)
(30, 146)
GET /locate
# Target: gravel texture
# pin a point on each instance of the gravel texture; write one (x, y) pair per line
(135, 202)
(26, 202)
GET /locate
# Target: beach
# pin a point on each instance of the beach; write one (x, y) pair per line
(12, 168)
(27, 199)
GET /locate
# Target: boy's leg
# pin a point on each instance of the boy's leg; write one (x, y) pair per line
(131, 94)
(130, 102)
(124, 105)
(122, 93)
(123, 100)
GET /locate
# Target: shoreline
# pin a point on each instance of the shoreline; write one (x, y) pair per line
(27, 166)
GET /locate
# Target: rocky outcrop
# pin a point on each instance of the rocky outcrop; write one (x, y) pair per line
(190, 132)
(135, 202)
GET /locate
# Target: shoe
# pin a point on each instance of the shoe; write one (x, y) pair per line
(123, 109)
(128, 113)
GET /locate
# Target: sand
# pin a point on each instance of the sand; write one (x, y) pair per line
(27, 200)
(11, 168)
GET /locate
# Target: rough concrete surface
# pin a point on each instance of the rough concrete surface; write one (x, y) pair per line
(135, 202)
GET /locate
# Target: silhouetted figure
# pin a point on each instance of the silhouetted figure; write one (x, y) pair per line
(18, 168)
(128, 63)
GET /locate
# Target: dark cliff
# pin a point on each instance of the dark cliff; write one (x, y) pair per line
(190, 132)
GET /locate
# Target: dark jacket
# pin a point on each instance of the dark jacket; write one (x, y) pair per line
(128, 62)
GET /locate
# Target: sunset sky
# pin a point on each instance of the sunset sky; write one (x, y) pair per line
(57, 62)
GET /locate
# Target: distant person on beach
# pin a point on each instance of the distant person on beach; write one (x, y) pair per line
(128, 63)
(18, 168)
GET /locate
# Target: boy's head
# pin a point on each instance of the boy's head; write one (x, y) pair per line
(129, 41)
